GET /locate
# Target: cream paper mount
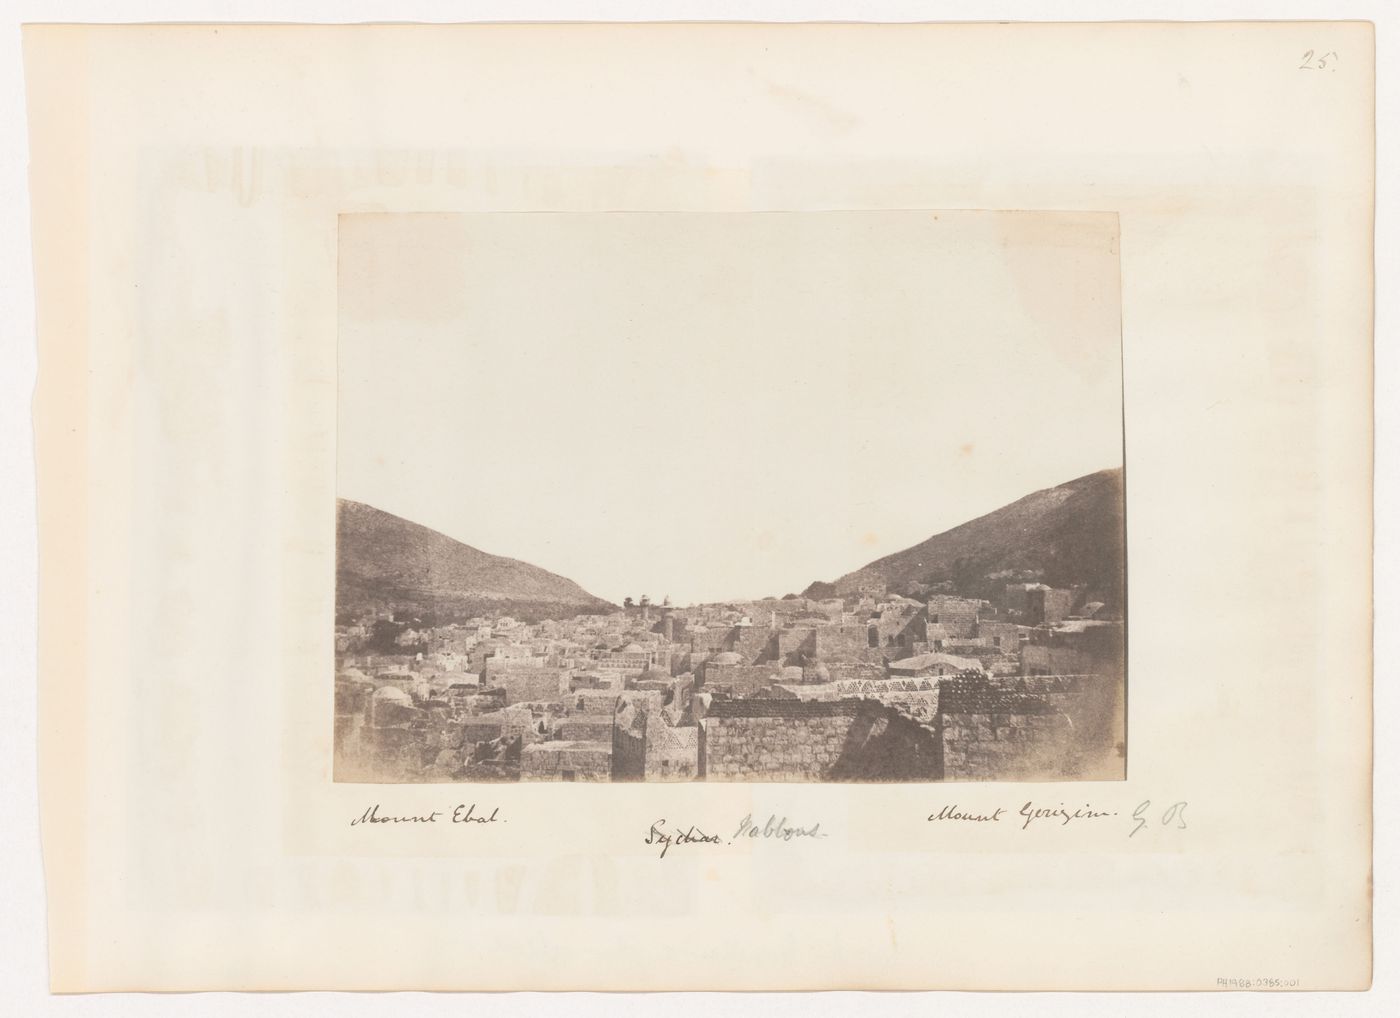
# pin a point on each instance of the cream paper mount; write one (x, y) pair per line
(846, 253)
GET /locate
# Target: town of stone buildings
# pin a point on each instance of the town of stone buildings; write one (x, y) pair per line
(1027, 684)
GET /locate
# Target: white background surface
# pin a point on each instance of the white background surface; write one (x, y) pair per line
(23, 977)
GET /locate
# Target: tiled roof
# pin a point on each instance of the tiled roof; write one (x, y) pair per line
(991, 701)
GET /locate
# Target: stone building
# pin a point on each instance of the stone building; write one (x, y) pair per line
(483, 729)
(1016, 596)
(842, 643)
(873, 588)
(516, 722)
(935, 664)
(1047, 605)
(725, 672)
(957, 615)
(1004, 636)
(632, 659)
(796, 642)
(899, 626)
(1054, 659)
(584, 728)
(528, 682)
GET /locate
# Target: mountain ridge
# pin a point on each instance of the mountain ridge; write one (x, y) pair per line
(1071, 535)
(383, 559)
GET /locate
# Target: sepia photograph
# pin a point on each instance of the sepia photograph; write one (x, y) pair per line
(820, 496)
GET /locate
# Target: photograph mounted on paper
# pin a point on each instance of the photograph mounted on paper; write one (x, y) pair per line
(730, 496)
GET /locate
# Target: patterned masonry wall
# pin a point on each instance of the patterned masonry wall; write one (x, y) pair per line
(672, 754)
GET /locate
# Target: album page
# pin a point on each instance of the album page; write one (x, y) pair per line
(705, 506)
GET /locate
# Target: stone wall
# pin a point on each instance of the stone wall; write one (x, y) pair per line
(600, 701)
(790, 740)
(1093, 703)
(740, 680)
(900, 628)
(512, 722)
(629, 750)
(841, 644)
(566, 761)
(773, 748)
(584, 728)
(957, 615)
(1048, 606)
(799, 640)
(1005, 636)
(1052, 659)
(482, 729)
(682, 693)
(754, 643)
(708, 641)
(857, 670)
(606, 701)
(1007, 747)
(529, 683)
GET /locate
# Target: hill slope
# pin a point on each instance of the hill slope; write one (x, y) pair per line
(1068, 535)
(383, 560)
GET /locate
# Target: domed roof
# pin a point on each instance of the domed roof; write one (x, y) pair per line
(632, 648)
(393, 694)
(727, 658)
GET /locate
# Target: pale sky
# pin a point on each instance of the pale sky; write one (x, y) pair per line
(721, 405)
